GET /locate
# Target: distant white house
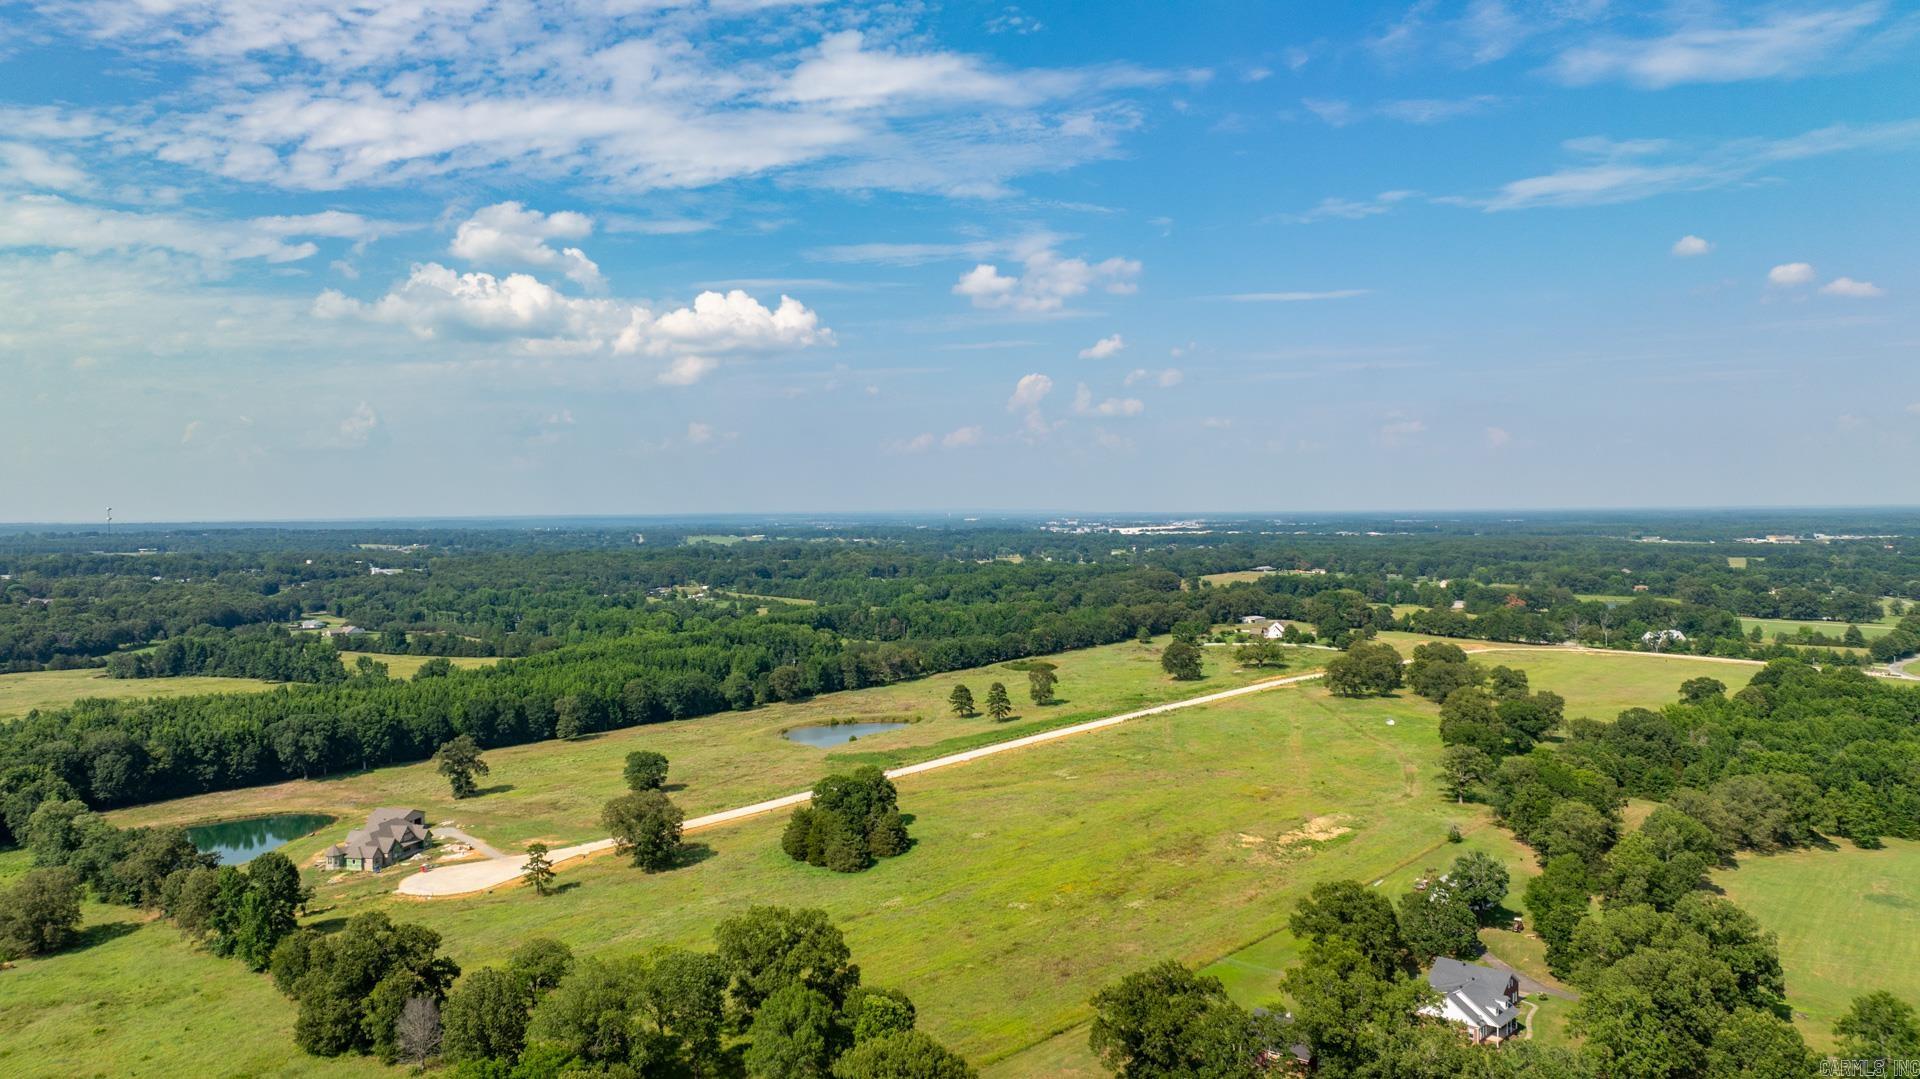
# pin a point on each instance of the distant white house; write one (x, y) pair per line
(1663, 636)
(1479, 998)
(310, 623)
(345, 631)
(1252, 619)
(1458, 605)
(383, 571)
(1275, 630)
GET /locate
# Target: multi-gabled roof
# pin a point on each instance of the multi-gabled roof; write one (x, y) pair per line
(389, 832)
(1481, 993)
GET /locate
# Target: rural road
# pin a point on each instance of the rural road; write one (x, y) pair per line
(465, 878)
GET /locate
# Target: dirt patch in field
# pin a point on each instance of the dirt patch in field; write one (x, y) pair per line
(1299, 841)
(1317, 830)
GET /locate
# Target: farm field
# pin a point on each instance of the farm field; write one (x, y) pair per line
(22, 693)
(795, 600)
(1186, 835)
(1177, 835)
(1596, 682)
(403, 667)
(1789, 626)
(553, 791)
(1235, 577)
(1845, 919)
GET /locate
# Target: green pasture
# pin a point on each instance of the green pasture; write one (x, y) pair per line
(1790, 626)
(406, 666)
(1036, 877)
(552, 791)
(22, 693)
(1219, 580)
(1846, 921)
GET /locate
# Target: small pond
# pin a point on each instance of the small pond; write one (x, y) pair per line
(836, 733)
(236, 841)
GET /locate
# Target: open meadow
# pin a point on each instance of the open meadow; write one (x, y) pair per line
(1037, 876)
(23, 693)
(1188, 836)
(406, 666)
(1772, 627)
(552, 791)
(1846, 920)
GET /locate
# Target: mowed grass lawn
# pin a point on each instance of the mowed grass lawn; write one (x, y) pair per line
(553, 791)
(22, 693)
(1846, 921)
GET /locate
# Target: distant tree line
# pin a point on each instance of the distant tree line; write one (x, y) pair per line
(268, 653)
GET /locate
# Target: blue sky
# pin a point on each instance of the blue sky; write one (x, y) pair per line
(320, 258)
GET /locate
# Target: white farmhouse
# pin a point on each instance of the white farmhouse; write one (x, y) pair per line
(1479, 998)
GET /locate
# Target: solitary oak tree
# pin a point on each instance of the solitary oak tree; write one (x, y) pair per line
(1181, 660)
(645, 825)
(646, 770)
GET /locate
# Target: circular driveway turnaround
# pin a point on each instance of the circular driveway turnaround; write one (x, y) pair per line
(465, 878)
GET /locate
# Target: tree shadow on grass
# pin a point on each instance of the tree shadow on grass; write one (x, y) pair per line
(497, 788)
(95, 935)
(325, 926)
(692, 854)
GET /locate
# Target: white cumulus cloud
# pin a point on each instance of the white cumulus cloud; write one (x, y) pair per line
(1029, 392)
(1790, 274)
(1847, 286)
(435, 301)
(509, 234)
(1046, 282)
(1103, 348)
(1690, 246)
